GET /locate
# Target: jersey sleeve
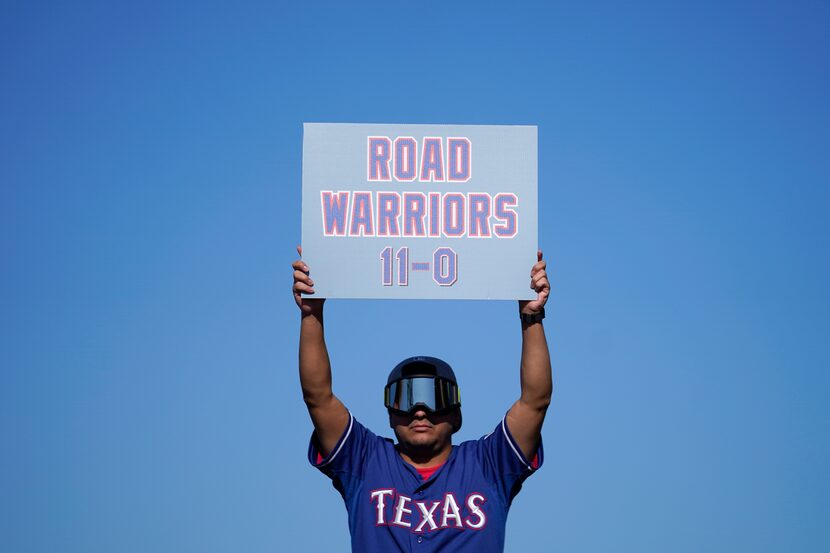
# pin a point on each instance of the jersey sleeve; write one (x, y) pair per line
(345, 461)
(504, 462)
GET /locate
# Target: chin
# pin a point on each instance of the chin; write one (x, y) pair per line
(418, 440)
(431, 442)
(421, 441)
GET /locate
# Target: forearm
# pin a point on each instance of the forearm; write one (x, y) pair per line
(526, 416)
(315, 367)
(536, 380)
(328, 415)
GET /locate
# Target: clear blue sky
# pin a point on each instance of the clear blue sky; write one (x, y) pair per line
(150, 159)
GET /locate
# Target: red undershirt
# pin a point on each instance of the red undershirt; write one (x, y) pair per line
(429, 471)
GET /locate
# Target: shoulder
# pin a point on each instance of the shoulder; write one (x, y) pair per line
(355, 443)
(468, 445)
(500, 446)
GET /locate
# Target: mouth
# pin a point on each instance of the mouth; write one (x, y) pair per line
(420, 428)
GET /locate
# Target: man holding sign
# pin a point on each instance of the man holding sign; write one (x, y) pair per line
(424, 493)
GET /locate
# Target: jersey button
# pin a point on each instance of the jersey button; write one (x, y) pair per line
(420, 539)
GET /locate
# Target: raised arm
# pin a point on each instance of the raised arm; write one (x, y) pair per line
(328, 414)
(526, 416)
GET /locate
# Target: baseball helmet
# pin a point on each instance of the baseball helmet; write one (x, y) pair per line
(422, 382)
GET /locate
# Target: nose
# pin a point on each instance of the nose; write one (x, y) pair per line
(419, 414)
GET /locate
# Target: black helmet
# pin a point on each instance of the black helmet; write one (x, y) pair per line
(425, 382)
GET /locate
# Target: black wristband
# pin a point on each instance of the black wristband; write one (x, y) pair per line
(531, 318)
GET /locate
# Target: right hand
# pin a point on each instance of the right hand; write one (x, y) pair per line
(304, 285)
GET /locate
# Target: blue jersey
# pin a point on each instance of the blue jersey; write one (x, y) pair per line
(462, 507)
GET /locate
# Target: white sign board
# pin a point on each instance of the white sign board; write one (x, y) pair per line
(420, 211)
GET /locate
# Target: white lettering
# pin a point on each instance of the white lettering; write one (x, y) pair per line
(400, 510)
(450, 504)
(426, 516)
(381, 506)
(475, 511)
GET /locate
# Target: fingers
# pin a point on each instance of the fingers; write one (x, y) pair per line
(542, 293)
(303, 284)
(302, 288)
(539, 277)
(299, 265)
(302, 276)
(539, 265)
(538, 283)
(539, 280)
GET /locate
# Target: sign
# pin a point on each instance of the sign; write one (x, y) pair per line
(420, 211)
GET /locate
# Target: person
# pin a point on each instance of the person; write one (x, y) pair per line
(423, 493)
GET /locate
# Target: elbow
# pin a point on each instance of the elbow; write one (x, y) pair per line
(543, 403)
(317, 399)
(537, 402)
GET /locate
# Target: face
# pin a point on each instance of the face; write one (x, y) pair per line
(422, 430)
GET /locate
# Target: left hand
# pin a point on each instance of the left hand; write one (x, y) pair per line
(539, 283)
